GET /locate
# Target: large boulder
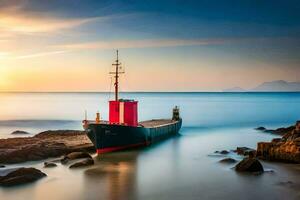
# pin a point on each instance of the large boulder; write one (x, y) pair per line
(249, 165)
(83, 163)
(21, 176)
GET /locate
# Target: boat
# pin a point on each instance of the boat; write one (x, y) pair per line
(122, 130)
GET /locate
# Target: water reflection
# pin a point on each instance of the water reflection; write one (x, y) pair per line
(178, 168)
(116, 174)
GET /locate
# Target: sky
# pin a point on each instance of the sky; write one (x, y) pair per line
(165, 45)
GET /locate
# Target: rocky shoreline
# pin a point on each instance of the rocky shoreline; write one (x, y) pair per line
(284, 149)
(43, 145)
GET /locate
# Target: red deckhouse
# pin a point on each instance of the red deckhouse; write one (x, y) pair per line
(122, 111)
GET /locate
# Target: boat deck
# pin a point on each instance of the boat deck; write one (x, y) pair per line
(147, 124)
(156, 123)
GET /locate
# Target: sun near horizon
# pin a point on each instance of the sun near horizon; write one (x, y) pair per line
(55, 47)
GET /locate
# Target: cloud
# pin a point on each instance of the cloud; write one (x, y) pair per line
(39, 54)
(4, 54)
(13, 56)
(139, 44)
(15, 17)
(29, 25)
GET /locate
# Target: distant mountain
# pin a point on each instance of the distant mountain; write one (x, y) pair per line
(234, 89)
(278, 86)
(273, 86)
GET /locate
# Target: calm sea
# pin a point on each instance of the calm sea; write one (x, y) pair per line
(182, 167)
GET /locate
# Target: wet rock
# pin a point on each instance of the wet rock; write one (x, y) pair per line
(21, 176)
(285, 150)
(261, 128)
(18, 132)
(246, 151)
(83, 163)
(42, 146)
(249, 165)
(228, 160)
(49, 164)
(2, 166)
(64, 160)
(74, 156)
(279, 131)
(77, 155)
(224, 152)
(275, 140)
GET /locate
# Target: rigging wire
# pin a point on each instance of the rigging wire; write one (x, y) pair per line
(110, 88)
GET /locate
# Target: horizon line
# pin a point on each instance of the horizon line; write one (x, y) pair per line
(151, 92)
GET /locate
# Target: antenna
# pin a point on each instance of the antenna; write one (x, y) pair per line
(117, 64)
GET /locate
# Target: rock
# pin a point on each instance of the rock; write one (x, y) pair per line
(228, 160)
(224, 152)
(280, 131)
(275, 140)
(77, 155)
(64, 160)
(21, 176)
(246, 151)
(249, 165)
(19, 132)
(2, 166)
(83, 163)
(73, 156)
(285, 150)
(217, 151)
(261, 128)
(49, 164)
(42, 146)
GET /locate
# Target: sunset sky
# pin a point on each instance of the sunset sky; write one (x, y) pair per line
(165, 45)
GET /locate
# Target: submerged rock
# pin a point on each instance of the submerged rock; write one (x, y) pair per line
(83, 163)
(21, 176)
(74, 156)
(77, 155)
(49, 164)
(261, 128)
(245, 151)
(224, 152)
(249, 165)
(19, 132)
(228, 160)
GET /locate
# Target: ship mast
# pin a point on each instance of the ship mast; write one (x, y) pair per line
(117, 64)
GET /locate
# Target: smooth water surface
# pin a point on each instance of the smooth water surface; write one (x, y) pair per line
(35, 112)
(182, 167)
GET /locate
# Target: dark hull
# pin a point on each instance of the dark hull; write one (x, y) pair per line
(113, 137)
